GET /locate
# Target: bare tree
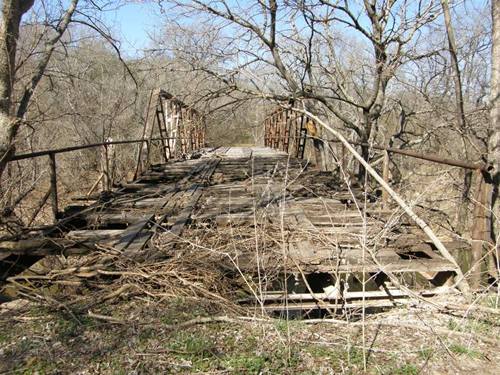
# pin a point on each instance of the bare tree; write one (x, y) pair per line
(10, 120)
(494, 141)
(452, 48)
(294, 49)
(460, 112)
(12, 12)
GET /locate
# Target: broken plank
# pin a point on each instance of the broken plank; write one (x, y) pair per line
(132, 232)
(45, 246)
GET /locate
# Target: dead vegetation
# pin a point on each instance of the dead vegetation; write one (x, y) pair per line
(197, 302)
(179, 315)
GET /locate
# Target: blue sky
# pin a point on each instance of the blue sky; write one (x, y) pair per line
(131, 24)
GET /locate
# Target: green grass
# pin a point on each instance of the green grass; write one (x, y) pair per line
(146, 334)
(320, 351)
(463, 350)
(246, 363)
(68, 326)
(491, 301)
(453, 325)
(473, 325)
(238, 349)
(425, 353)
(335, 356)
(407, 369)
(243, 356)
(194, 347)
(116, 366)
(180, 310)
(355, 356)
(190, 344)
(282, 326)
(394, 369)
(480, 326)
(38, 367)
(4, 337)
(67, 329)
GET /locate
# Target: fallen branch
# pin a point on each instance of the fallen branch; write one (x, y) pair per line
(412, 326)
(118, 292)
(461, 281)
(105, 318)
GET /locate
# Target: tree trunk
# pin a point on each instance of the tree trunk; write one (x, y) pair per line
(12, 12)
(367, 135)
(459, 113)
(365, 153)
(318, 153)
(494, 141)
(457, 79)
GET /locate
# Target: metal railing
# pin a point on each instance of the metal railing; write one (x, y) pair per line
(106, 175)
(181, 128)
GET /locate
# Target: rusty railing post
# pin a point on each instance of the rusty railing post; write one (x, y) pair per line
(288, 123)
(276, 141)
(105, 168)
(53, 187)
(269, 132)
(148, 156)
(265, 133)
(301, 146)
(110, 151)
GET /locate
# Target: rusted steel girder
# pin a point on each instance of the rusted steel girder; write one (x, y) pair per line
(181, 127)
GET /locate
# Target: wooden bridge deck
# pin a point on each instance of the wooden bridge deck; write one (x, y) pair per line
(270, 215)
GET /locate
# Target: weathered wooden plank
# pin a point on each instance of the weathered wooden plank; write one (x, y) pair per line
(132, 232)
(369, 294)
(94, 235)
(44, 246)
(105, 218)
(307, 306)
(193, 195)
(400, 266)
(185, 214)
(245, 187)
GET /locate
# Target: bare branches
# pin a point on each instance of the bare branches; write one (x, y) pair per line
(295, 57)
(50, 46)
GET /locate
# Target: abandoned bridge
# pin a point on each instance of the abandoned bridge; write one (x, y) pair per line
(308, 239)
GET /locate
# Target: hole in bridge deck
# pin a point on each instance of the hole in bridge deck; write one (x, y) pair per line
(319, 296)
(319, 281)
